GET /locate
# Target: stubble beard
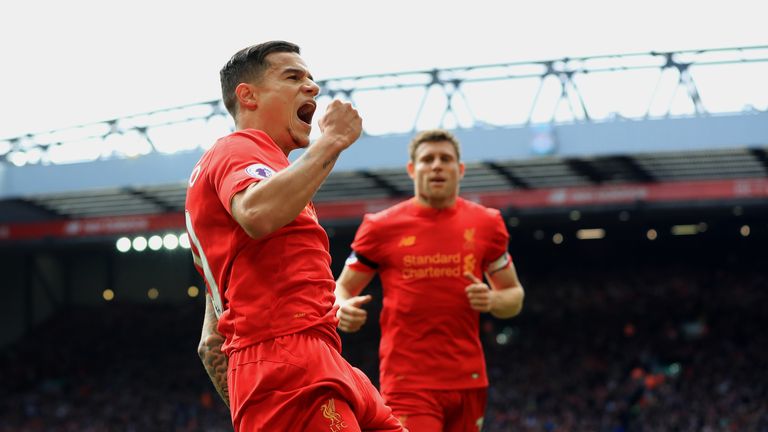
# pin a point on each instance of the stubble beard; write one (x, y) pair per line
(300, 140)
(438, 198)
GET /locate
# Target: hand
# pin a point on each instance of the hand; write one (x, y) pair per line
(479, 294)
(351, 316)
(341, 123)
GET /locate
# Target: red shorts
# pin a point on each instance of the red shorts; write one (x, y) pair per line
(301, 383)
(439, 410)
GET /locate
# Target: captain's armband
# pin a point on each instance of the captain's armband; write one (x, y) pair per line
(355, 258)
(503, 262)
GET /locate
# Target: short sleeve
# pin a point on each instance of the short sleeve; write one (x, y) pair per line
(236, 163)
(365, 252)
(498, 239)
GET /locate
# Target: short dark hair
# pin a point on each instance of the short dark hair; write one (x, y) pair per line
(433, 135)
(247, 65)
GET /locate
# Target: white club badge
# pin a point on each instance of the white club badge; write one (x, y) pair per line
(259, 171)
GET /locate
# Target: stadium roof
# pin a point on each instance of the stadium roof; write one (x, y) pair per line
(655, 118)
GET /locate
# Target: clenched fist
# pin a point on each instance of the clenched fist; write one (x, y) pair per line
(479, 294)
(351, 316)
(341, 124)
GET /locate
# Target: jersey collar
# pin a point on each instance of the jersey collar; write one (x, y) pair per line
(426, 211)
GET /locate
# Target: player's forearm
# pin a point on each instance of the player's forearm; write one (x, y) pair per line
(342, 292)
(508, 302)
(214, 361)
(350, 284)
(276, 202)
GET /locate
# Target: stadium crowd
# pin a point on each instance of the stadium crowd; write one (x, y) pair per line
(658, 349)
(614, 348)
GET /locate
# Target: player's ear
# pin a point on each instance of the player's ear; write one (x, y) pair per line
(247, 95)
(461, 170)
(410, 169)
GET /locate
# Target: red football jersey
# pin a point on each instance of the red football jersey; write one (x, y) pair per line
(279, 284)
(429, 333)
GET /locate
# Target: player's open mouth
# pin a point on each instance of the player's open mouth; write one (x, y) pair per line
(306, 112)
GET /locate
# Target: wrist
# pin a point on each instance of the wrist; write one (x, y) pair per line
(492, 300)
(333, 144)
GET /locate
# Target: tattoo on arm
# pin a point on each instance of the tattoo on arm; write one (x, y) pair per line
(307, 157)
(330, 161)
(214, 361)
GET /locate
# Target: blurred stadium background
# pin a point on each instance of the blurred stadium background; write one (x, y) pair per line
(634, 187)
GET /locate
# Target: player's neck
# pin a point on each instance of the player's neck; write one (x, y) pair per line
(435, 203)
(254, 123)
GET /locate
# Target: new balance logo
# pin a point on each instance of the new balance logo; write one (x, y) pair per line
(407, 241)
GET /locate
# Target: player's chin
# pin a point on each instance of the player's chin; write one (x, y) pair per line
(436, 184)
(300, 139)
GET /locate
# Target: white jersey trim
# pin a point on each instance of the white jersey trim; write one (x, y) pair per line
(202, 261)
(503, 262)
